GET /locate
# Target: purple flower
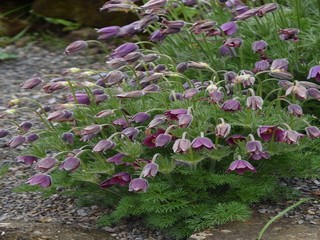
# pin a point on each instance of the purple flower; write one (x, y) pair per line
(121, 122)
(181, 145)
(108, 32)
(25, 126)
(259, 46)
(291, 137)
(189, 93)
(262, 65)
(157, 36)
(313, 93)
(32, 137)
(150, 170)
(312, 132)
(241, 166)
(297, 90)
(233, 42)
(235, 139)
(202, 142)
(132, 94)
(75, 47)
(158, 120)
(123, 50)
(254, 148)
(70, 164)
(266, 8)
(131, 132)
(43, 180)
(163, 139)
(231, 105)
(81, 98)
(295, 110)
(227, 51)
(140, 117)
(149, 141)
(289, 34)
(174, 113)
(46, 163)
(266, 133)
(3, 132)
(280, 64)
(128, 30)
(31, 83)
(27, 159)
(229, 28)
(216, 96)
(103, 145)
(254, 102)
(116, 159)
(222, 130)
(60, 116)
(17, 141)
(68, 137)
(154, 4)
(185, 120)
(92, 129)
(314, 72)
(138, 185)
(121, 178)
(202, 26)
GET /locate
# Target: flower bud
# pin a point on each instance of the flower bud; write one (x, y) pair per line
(46, 163)
(150, 170)
(75, 47)
(3, 133)
(68, 137)
(31, 83)
(43, 180)
(17, 141)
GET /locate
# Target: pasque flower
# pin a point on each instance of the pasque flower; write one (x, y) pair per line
(254, 102)
(202, 142)
(295, 110)
(235, 139)
(130, 132)
(75, 47)
(229, 28)
(150, 139)
(17, 141)
(103, 146)
(25, 126)
(289, 34)
(314, 72)
(108, 32)
(223, 129)
(241, 166)
(46, 163)
(231, 105)
(43, 180)
(259, 46)
(150, 170)
(121, 178)
(31, 83)
(116, 159)
(254, 148)
(140, 117)
(123, 50)
(3, 132)
(70, 164)
(313, 93)
(233, 42)
(312, 132)
(27, 159)
(154, 4)
(291, 136)
(266, 133)
(68, 137)
(138, 185)
(174, 113)
(181, 145)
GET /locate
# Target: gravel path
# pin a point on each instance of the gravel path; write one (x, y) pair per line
(37, 61)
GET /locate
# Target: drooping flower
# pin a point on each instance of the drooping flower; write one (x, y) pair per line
(241, 166)
(32, 137)
(254, 148)
(313, 93)
(185, 120)
(266, 133)
(269, 7)
(223, 129)
(25, 126)
(295, 110)
(163, 139)
(235, 139)
(233, 42)
(117, 159)
(140, 117)
(149, 141)
(75, 47)
(291, 136)
(130, 132)
(68, 137)
(231, 105)
(3, 132)
(154, 4)
(123, 50)
(157, 36)
(298, 90)
(70, 164)
(31, 83)
(289, 34)
(103, 146)
(138, 185)
(60, 116)
(229, 28)
(181, 145)
(27, 159)
(227, 51)
(46, 163)
(312, 132)
(158, 120)
(150, 170)
(17, 141)
(279, 69)
(254, 102)
(262, 65)
(259, 46)
(121, 178)
(79, 97)
(43, 180)
(314, 72)
(173, 114)
(108, 32)
(202, 142)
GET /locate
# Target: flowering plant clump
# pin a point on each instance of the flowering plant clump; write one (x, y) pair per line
(187, 133)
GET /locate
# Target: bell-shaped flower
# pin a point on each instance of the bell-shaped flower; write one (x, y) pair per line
(17, 141)
(70, 164)
(154, 4)
(157, 36)
(185, 120)
(117, 159)
(27, 159)
(121, 178)
(241, 166)
(312, 132)
(266, 133)
(130, 132)
(174, 113)
(32, 137)
(163, 139)
(233, 42)
(227, 51)
(254, 102)
(259, 46)
(202, 142)
(229, 28)
(216, 96)
(108, 32)
(189, 93)
(295, 110)
(260, 66)
(138, 185)
(80, 98)
(25, 126)
(298, 90)
(291, 136)
(235, 139)
(124, 49)
(314, 72)
(103, 146)
(313, 93)
(31, 83)
(150, 139)
(46, 163)
(3, 132)
(75, 47)
(181, 145)
(43, 180)
(231, 105)
(223, 129)
(140, 117)
(150, 170)
(68, 137)
(60, 116)
(254, 148)
(289, 34)
(158, 120)
(202, 26)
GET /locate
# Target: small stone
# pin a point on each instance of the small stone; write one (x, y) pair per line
(225, 231)
(300, 221)
(262, 211)
(311, 212)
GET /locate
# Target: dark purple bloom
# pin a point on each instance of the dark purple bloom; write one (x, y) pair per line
(181, 145)
(229, 28)
(108, 32)
(189, 93)
(131, 132)
(158, 120)
(17, 141)
(60, 116)
(149, 141)
(254, 148)
(313, 93)
(121, 178)
(241, 166)
(138, 184)
(314, 72)
(182, 67)
(25, 126)
(116, 159)
(68, 137)
(32, 137)
(185, 120)
(291, 137)
(123, 50)
(259, 46)
(75, 47)
(174, 113)
(150, 170)
(70, 164)
(289, 34)
(233, 42)
(157, 36)
(81, 98)
(140, 117)
(231, 105)
(235, 139)
(27, 159)
(46, 163)
(31, 83)
(103, 145)
(254, 102)
(262, 65)
(295, 110)
(312, 132)
(202, 142)
(3, 132)
(43, 180)
(266, 133)
(132, 94)
(227, 51)
(163, 139)
(154, 4)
